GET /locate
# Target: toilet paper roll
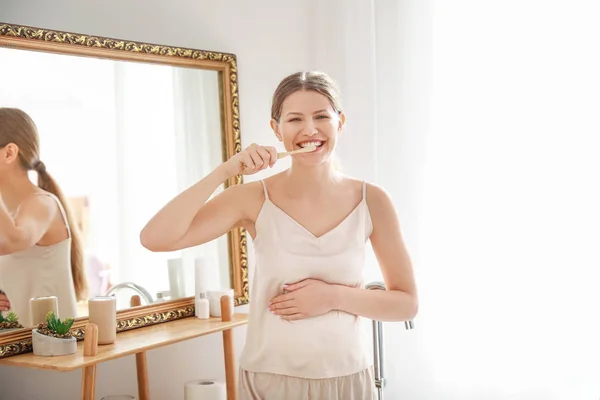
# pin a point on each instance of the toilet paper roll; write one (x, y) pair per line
(205, 389)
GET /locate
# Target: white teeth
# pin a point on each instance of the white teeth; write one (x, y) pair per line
(306, 144)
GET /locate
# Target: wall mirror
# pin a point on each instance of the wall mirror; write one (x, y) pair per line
(124, 126)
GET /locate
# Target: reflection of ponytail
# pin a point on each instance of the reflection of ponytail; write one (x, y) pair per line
(47, 183)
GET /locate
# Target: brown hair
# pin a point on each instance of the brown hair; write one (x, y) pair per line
(316, 81)
(18, 128)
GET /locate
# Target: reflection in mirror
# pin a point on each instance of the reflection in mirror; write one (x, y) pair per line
(120, 139)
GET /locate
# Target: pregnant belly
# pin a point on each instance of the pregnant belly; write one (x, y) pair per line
(329, 345)
(324, 328)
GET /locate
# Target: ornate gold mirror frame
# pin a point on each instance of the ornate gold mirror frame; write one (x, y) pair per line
(37, 39)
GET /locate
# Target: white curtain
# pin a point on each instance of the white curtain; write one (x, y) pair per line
(168, 138)
(146, 156)
(479, 118)
(199, 143)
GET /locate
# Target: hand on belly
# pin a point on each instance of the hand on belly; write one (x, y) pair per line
(304, 299)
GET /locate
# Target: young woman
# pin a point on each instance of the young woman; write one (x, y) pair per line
(309, 225)
(40, 252)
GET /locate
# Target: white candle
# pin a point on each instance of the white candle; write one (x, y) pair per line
(176, 278)
(214, 299)
(201, 276)
(40, 306)
(103, 313)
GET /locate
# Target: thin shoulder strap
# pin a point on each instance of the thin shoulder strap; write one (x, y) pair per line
(365, 207)
(61, 208)
(364, 190)
(265, 189)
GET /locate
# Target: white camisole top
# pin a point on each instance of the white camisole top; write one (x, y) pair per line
(331, 345)
(40, 271)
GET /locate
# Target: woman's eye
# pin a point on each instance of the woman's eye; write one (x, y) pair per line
(294, 119)
(322, 116)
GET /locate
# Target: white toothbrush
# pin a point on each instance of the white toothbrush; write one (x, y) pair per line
(306, 149)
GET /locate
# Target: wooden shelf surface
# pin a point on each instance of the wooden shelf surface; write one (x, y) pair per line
(130, 342)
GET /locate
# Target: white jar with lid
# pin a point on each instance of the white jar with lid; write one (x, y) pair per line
(214, 300)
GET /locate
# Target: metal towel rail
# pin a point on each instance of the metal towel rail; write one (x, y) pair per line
(378, 365)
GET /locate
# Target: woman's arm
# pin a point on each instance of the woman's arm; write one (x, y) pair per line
(399, 302)
(170, 228)
(189, 220)
(30, 224)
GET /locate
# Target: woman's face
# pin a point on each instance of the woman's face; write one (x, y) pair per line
(307, 117)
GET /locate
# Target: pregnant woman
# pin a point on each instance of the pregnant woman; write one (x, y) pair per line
(310, 225)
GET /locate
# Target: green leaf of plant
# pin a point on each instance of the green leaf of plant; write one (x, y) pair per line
(12, 317)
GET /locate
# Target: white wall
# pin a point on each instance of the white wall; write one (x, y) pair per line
(270, 40)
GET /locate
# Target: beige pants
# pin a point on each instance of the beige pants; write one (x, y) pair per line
(262, 386)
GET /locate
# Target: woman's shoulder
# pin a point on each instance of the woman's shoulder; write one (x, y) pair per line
(249, 190)
(379, 202)
(364, 186)
(38, 200)
(374, 194)
(250, 196)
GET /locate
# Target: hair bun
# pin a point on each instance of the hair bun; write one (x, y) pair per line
(39, 167)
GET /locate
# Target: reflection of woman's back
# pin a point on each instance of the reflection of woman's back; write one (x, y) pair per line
(40, 271)
(41, 248)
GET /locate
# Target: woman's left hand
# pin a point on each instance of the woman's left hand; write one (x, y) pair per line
(304, 299)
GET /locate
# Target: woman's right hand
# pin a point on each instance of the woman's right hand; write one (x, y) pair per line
(251, 160)
(4, 302)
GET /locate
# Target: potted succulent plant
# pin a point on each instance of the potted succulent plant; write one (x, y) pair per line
(54, 337)
(9, 322)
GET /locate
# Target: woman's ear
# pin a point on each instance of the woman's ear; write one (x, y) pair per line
(10, 153)
(275, 127)
(341, 122)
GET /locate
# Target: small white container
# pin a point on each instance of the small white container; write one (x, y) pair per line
(214, 298)
(202, 306)
(162, 296)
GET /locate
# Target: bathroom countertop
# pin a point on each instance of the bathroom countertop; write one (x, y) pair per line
(130, 342)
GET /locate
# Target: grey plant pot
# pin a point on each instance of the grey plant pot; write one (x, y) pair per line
(44, 345)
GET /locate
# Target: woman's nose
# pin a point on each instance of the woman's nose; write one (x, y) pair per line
(311, 129)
